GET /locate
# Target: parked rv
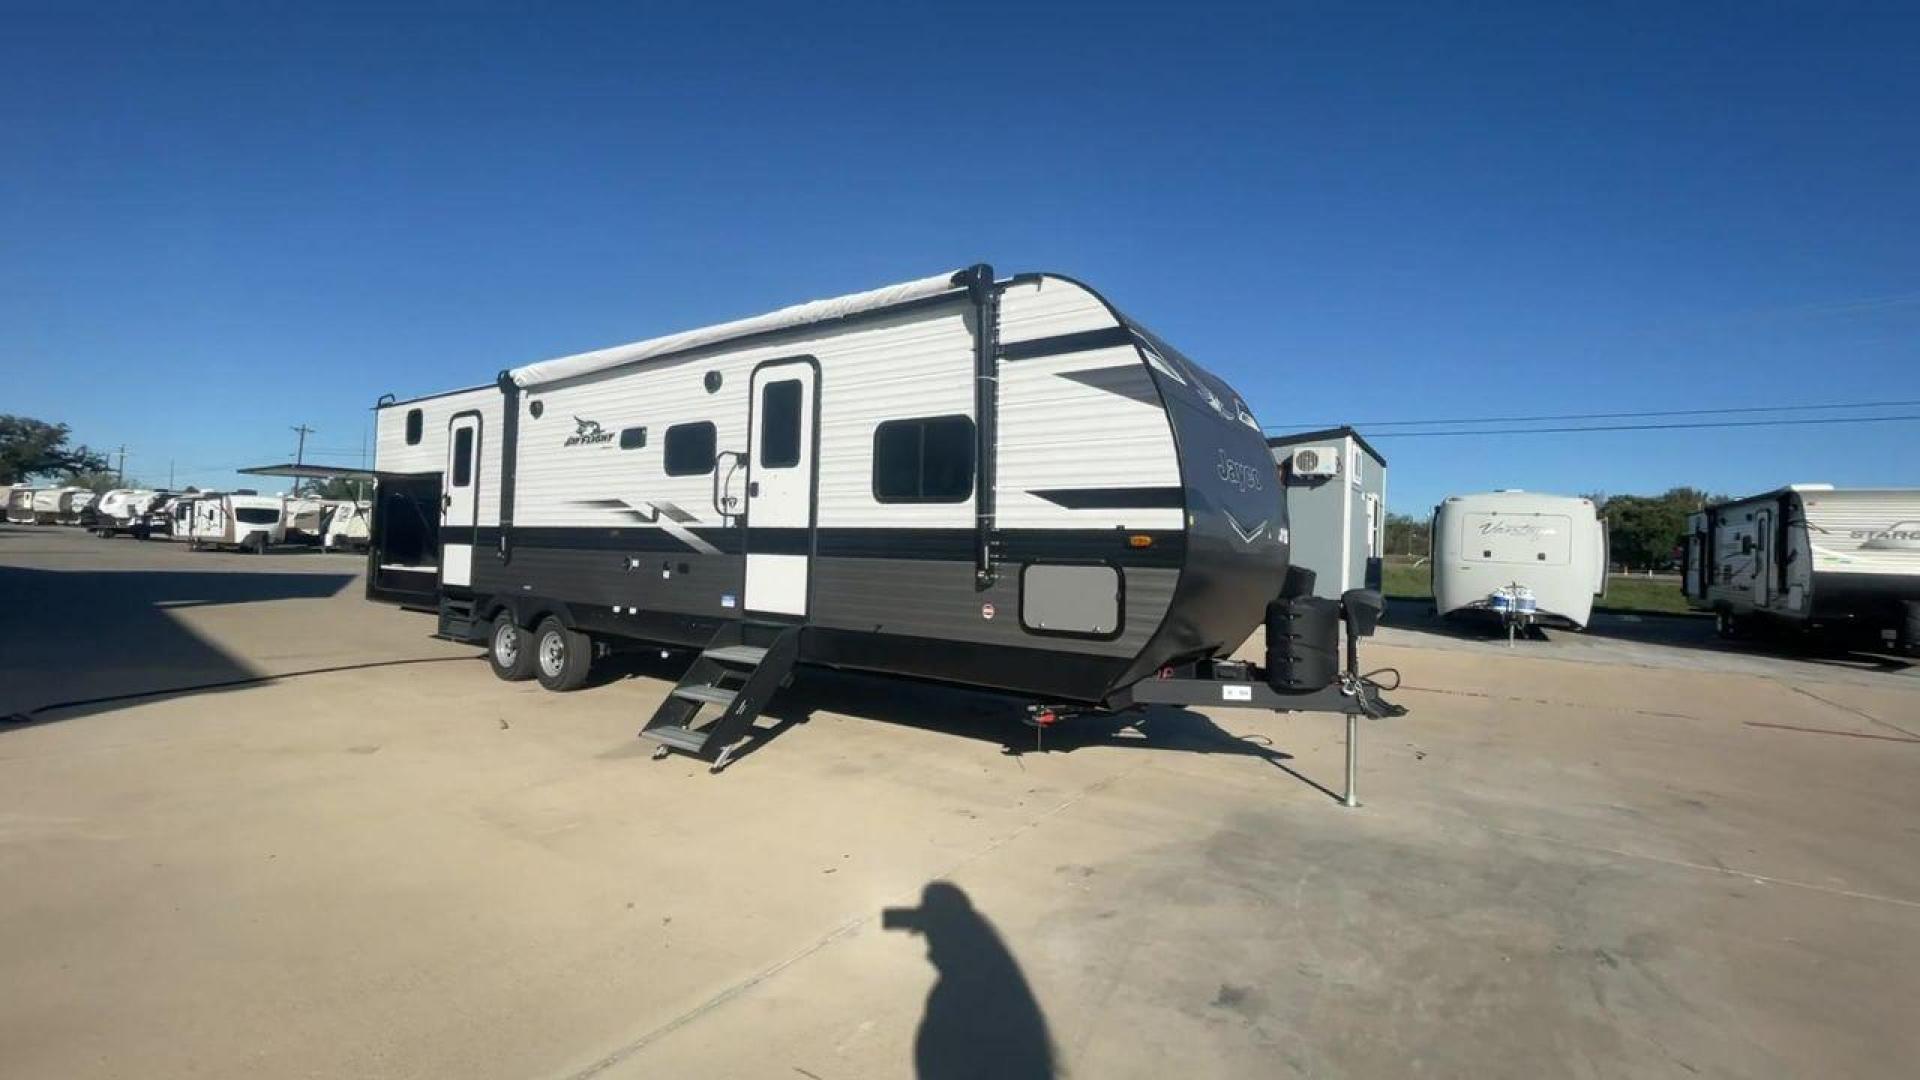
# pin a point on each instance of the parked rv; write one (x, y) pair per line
(1518, 557)
(77, 508)
(347, 525)
(1810, 557)
(20, 504)
(121, 509)
(306, 520)
(248, 522)
(999, 483)
(173, 518)
(54, 506)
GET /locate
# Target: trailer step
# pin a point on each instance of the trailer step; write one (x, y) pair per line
(733, 677)
(706, 695)
(678, 738)
(743, 655)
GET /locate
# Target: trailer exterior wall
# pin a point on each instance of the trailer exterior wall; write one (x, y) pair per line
(1085, 459)
(1808, 554)
(1338, 524)
(1551, 544)
(1110, 450)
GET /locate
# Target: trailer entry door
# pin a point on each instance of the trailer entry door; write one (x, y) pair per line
(458, 503)
(780, 483)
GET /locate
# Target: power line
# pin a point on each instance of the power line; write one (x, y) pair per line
(1649, 427)
(1636, 415)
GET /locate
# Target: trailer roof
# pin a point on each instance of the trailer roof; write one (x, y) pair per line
(310, 472)
(838, 307)
(1342, 432)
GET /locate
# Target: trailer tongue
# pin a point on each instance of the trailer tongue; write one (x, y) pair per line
(1296, 677)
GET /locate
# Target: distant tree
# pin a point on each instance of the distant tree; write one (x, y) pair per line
(30, 448)
(1647, 529)
(1408, 535)
(338, 487)
(98, 481)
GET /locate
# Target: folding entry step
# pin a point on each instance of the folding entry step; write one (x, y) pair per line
(736, 675)
(457, 622)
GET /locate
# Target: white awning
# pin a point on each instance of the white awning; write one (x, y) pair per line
(839, 307)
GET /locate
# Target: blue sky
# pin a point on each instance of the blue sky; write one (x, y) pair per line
(218, 221)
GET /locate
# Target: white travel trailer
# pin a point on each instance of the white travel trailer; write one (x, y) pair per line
(1810, 557)
(1520, 556)
(121, 509)
(1001, 483)
(20, 505)
(75, 510)
(55, 506)
(173, 518)
(249, 522)
(347, 525)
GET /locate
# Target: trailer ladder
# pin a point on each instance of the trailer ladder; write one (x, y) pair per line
(737, 673)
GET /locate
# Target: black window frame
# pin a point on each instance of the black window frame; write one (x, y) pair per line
(416, 426)
(677, 432)
(789, 439)
(463, 456)
(960, 494)
(633, 438)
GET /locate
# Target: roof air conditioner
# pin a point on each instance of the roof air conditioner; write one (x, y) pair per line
(1316, 461)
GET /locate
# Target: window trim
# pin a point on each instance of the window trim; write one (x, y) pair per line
(973, 461)
(763, 414)
(666, 448)
(463, 459)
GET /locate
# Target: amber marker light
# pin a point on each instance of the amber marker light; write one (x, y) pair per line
(1139, 540)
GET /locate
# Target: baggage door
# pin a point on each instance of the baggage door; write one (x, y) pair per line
(781, 464)
(458, 503)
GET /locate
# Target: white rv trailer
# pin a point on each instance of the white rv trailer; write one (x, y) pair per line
(1812, 557)
(20, 505)
(248, 522)
(77, 507)
(176, 515)
(1503, 551)
(121, 509)
(347, 525)
(999, 483)
(55, 506)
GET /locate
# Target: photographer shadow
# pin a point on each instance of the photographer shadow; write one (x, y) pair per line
(981, 1018)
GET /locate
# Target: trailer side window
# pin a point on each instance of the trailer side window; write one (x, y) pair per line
(415, 423)
(463, 457)
(689, 449)
(780, 424)
(925, 460)
(633, 438)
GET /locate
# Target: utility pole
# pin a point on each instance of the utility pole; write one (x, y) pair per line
(120, 474)
(300, 454)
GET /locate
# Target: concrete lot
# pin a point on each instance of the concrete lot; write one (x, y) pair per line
(1596, 866)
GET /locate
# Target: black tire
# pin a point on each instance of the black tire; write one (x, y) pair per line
(562, 657)
(510, 649)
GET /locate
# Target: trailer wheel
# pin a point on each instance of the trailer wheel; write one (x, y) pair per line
(510, 649)
(562, 657)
